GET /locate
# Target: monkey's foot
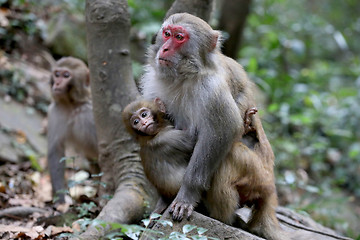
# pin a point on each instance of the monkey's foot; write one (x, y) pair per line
(180, 209)
(247, 120)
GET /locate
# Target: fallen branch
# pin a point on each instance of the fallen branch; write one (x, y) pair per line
(20, 211)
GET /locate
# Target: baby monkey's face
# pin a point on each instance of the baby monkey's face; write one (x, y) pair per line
(143, 121)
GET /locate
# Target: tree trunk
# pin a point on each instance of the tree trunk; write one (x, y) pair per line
(293, 225)
(199, 8)
(232, 21)
(113, 87)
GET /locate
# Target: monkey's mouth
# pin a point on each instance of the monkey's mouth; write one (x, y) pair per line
(149, 129)
(57, 91)
(163, 61)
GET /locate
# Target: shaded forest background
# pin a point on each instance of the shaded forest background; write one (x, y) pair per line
(303, 55)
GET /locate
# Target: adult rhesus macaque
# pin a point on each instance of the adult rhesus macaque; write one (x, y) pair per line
(206, 93)
(166, 151)
(70, 119)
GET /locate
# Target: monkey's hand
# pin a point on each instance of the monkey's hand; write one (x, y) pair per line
(179, 209)
(247, 120)
(183, 205)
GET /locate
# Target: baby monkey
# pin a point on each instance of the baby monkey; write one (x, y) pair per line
(165, 153)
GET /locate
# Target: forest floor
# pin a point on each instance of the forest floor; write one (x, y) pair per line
(27, 211)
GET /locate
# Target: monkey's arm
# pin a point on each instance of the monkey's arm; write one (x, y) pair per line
(215, 136)
(56, 151)
(173, 139)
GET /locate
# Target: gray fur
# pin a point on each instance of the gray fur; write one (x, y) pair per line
(168, 152)
(204, 93)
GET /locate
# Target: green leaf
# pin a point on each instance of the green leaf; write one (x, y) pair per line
(177, 235)
(165, 223)
(201, 230)
(188, 228)
(155, 216)
(146, 222)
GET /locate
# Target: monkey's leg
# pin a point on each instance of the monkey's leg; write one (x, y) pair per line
(263, 221)
(57, 172)
(222, 205)
(222, 199)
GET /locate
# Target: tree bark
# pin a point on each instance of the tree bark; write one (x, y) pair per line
(293, 226)
(232, 20)
(113, 87)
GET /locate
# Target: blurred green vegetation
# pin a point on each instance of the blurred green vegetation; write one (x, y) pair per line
(305, 57)
(307, 62)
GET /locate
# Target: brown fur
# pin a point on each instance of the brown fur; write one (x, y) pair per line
(166, 152)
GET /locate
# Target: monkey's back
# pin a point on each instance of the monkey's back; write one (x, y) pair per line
(243, 90)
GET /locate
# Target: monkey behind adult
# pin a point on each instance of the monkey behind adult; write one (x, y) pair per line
(165, 153)
(187, 71)
(70, 120)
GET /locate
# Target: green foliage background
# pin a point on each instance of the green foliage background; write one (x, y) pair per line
(305, 56)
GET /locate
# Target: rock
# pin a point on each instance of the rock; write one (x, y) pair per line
(23, 120)
(7, 152)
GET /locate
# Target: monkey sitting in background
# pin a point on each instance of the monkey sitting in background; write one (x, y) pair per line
(70, 120)
(165, 154)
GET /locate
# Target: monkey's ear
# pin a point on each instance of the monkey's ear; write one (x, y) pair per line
(214, 41)
(160, 104)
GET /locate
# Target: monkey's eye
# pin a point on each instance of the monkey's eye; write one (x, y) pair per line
(66, 74)
(57, 73)
(136, 121)
(144, 114)
(179, 37)
(167, 33)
